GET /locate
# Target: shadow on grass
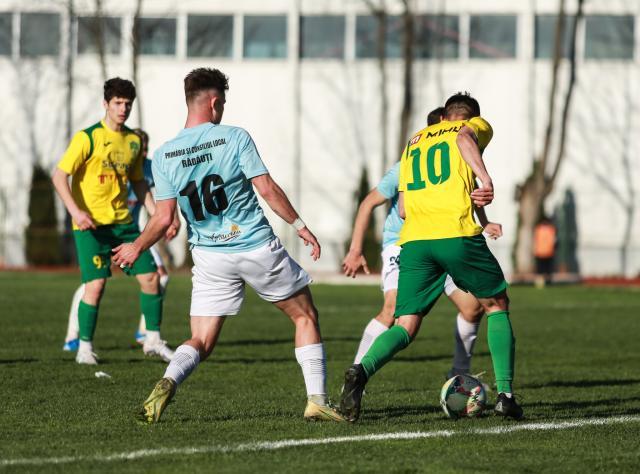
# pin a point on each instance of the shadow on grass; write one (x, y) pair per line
(25, 360)
(400, 412)
(583, 383)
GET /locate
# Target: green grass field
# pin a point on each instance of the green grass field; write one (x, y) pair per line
(577, 372)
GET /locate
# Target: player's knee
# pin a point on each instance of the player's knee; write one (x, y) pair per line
(386, 317)
(472, 314)
(149, 282)
(93, 291)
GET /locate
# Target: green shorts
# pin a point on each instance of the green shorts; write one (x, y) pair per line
(425, 263)
(94, 251)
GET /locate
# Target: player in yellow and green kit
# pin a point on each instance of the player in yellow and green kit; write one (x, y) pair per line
(102, 160)
(437, 186)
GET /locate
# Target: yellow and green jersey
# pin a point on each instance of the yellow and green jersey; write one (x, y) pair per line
(101, 162)
(437, 182)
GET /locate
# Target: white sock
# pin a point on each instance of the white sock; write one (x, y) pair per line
(184, 361)
(142, 326)
(164, 281)
(152, 337)
(465, 335)
(72, 325)
(371, 332)
(314, 369)
(85, 346)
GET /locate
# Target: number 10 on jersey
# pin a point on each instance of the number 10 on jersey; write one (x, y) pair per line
(440, 150)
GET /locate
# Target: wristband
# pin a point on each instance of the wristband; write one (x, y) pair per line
(298, 224)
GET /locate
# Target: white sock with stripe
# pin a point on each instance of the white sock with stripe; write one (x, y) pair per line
(314, 370)
(465, 335)
(371, 332)
(183, 362)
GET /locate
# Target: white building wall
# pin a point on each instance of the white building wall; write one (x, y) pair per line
(339, 128)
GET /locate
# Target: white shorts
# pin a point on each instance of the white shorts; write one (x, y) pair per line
(390, 267)
(156, 256)
(391, 271)
(219, 278)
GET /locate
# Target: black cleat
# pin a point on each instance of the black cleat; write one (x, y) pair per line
(355, 379)
(508, 407)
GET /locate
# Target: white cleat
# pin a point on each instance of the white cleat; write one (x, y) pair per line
(157, 349)
(87, 357)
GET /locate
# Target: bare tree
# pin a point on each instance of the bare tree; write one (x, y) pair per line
(537, 186)
(99, 37)
(407, 56)
(69, 72)
(379, 11)
(135, 56)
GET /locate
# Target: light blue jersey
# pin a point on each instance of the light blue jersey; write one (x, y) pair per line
(208, 169)
(388, 187)
(132, 200)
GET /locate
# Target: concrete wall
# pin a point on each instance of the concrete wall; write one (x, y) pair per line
(338, 131)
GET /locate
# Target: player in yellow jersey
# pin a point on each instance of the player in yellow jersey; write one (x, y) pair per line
(438, 193)
(102, 160)
(470, 311)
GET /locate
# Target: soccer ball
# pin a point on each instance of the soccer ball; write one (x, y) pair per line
(463, 396)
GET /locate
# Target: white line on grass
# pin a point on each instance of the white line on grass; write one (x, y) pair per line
(292, 443)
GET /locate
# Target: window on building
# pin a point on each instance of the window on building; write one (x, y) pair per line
(265, 36)
(210, 36)
(322, 36)
(93, 29)
(39, 34)
(157, 36)
(437, 36)
(609, 37)
(492, 36)
(6, 30)
(367, 36)
(546, 35)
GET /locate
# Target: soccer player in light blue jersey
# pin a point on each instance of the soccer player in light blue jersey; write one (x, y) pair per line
(470, 311)
(210, 171)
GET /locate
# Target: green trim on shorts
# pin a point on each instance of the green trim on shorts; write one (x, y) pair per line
(94, 251)
(425, 263)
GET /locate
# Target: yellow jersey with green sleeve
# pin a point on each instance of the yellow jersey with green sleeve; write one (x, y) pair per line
(101, 163)
(437, 182)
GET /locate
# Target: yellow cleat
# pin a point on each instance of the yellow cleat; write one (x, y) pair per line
(315, 412)
(158, 400)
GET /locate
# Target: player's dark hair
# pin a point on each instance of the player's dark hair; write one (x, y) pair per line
(434, 116)
(461, 104)
(117, 87)
(203, 79)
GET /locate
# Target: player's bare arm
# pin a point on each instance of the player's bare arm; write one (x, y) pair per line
(354, 258)
(144, 195)
(126, 254)
(466, 141)
(82, 219)
(174, 228)
(280, 204)
(492, 229)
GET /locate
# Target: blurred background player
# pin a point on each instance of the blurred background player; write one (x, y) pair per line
(440, 236)
(102, 160)
(470, 311)
(544, 250)
(135, 206)
(211, 171)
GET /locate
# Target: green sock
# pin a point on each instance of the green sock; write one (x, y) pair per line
(386, 345)
(151, 307)
(87, 319)
(502, 346)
